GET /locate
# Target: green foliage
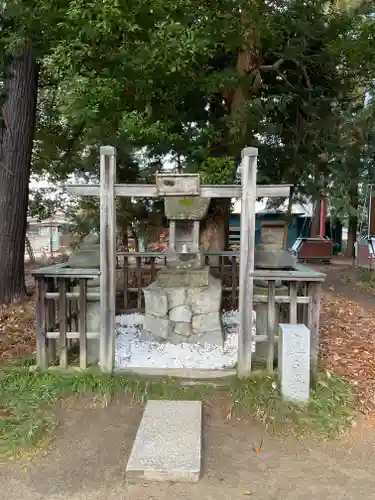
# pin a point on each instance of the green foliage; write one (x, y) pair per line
(218, 170)
(40, 206)
(161, 77)
(27, 398)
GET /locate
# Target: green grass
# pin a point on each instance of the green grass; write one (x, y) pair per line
(329, 412)
(366, 280)
(27, 400)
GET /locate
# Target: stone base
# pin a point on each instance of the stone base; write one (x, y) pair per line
(188, 261)
(184, 313)
(169, 277)
(265, 257)
(92, 322)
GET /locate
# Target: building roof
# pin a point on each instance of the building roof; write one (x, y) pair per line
(299, 209)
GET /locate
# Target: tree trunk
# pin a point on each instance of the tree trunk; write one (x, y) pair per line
(215, 229)
(17, 126)
(352, 224)
(315, 223)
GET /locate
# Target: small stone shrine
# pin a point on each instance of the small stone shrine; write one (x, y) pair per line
(269, 255)
(184, 303)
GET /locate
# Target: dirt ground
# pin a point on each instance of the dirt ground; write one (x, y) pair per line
(344, 279)
(87, 459)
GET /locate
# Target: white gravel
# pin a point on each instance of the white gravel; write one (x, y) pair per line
(131, 352)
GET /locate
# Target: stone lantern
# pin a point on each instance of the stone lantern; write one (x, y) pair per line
(184, 303)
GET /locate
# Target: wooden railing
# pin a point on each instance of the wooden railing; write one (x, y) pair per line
(61, 309)
(136, 270)
(61, 314)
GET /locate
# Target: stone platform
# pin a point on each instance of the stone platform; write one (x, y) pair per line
(168, 444)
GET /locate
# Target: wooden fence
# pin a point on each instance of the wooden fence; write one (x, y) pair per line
(136, 270)
(61, 315)
(61, 310)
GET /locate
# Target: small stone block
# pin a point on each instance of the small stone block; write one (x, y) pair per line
(206, 322)
(180, 314)
(160, 328)
(294, 362)
(156, 301)
(168, 444)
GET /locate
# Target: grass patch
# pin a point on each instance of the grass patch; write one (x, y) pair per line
(27, 399)
(366, 280)
(329, 412)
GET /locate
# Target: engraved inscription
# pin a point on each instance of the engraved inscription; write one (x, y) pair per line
(294, 362)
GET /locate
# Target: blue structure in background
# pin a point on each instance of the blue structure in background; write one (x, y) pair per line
(299, 227)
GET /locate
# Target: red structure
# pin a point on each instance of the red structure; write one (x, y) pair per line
(318, 248)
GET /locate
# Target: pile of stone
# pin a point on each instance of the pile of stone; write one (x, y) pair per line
(184, 307)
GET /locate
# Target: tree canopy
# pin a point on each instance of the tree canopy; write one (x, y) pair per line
(195, 82)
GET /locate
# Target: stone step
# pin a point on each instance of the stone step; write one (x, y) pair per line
(168, 444)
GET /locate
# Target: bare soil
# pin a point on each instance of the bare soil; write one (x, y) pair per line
(87, 460)
(345, 280)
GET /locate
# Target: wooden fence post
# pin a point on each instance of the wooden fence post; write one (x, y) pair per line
(107, 257)
(245, 337)
(313, 322)
(41, 327)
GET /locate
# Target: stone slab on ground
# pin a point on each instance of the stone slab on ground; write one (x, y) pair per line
(168, 445)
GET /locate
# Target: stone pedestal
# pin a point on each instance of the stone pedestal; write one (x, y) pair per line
(92, 321)
(184, 307)
(261, 348)
(88, 256)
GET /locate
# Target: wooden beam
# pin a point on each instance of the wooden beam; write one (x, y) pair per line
(63, 271)
(107, 257)
(248, 179)
(151, 191)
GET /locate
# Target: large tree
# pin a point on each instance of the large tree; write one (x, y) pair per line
(16, 137)
(22, 41)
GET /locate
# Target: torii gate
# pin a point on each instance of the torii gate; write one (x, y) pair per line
(107, 190)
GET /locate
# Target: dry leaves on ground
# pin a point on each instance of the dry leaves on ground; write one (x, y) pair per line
(17, 330)
(348, 345)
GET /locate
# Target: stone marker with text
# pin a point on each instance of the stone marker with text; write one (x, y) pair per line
(294, 362)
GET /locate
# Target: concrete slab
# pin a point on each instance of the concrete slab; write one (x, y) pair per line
(168, 444)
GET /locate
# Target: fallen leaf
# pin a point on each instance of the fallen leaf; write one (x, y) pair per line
(229, 414)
